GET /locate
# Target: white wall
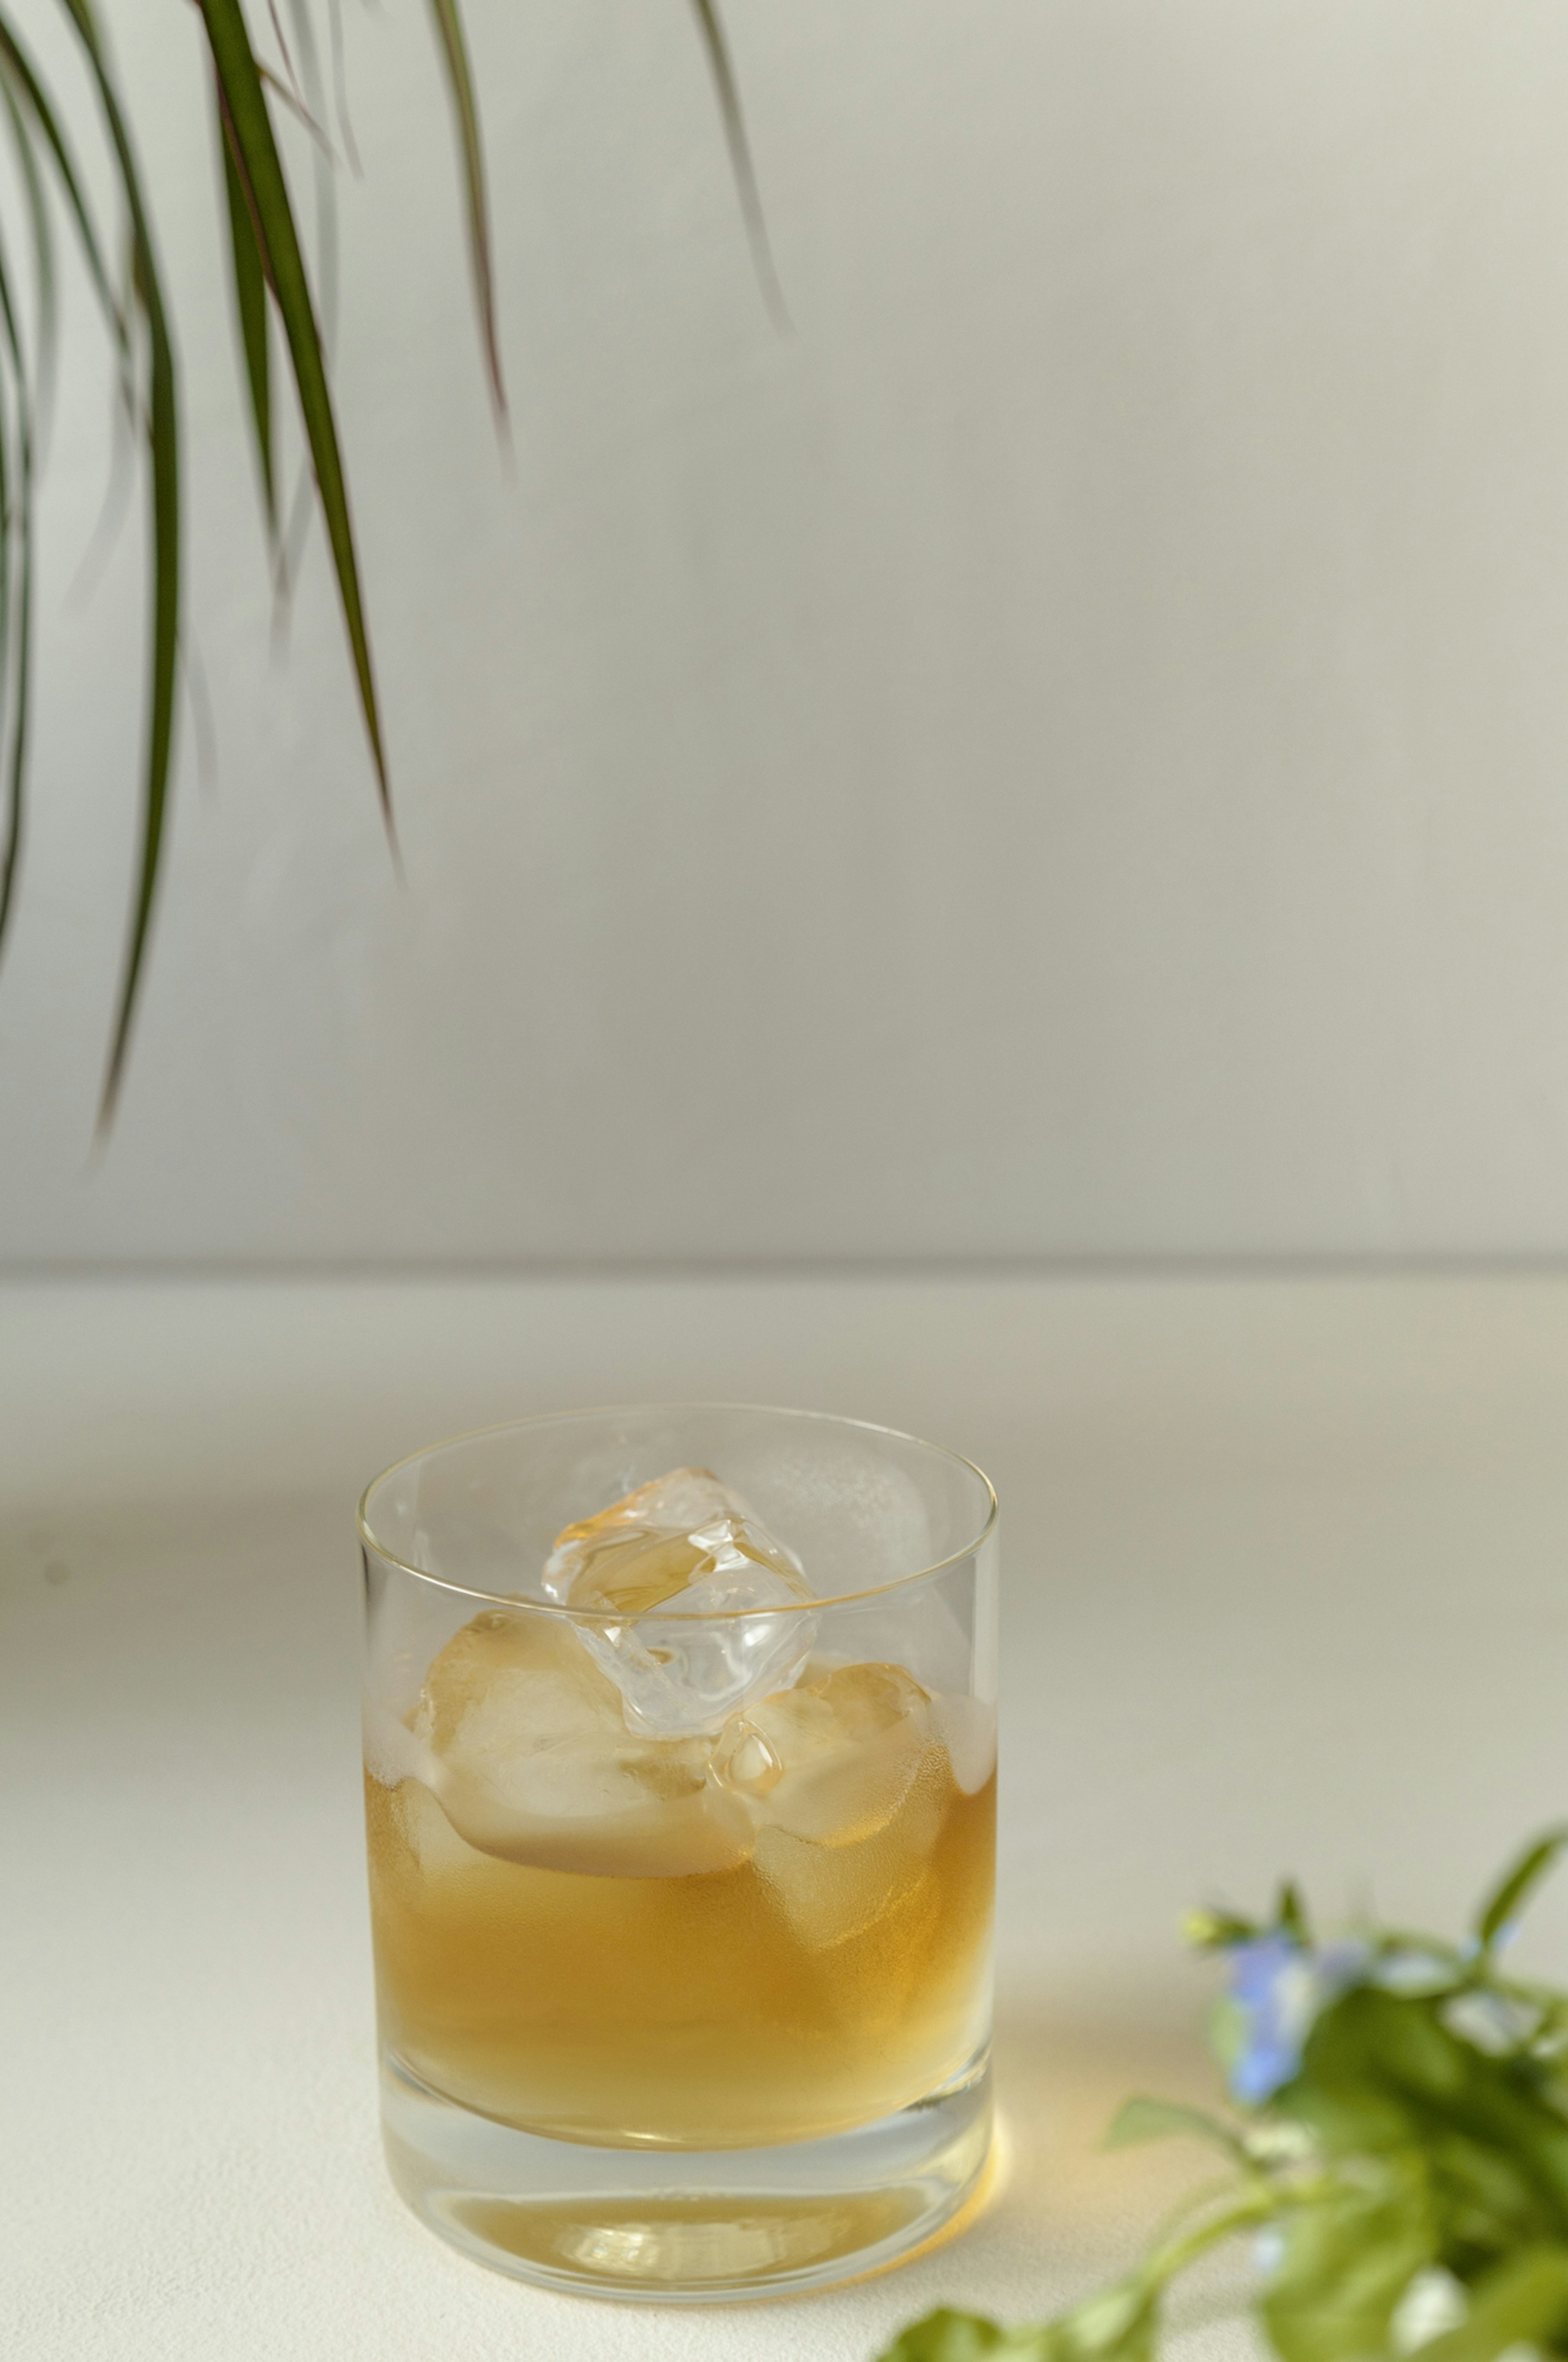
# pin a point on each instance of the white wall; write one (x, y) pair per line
(1068, 753)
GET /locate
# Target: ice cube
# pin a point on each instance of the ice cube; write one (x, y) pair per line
(845, 1782)
(827, 1895)
(669, 1506)
(531, 1760)
(831, 1761)
(666, 1571)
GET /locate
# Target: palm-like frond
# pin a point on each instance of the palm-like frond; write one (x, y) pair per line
(37, 110)
(250, 143)
(269, 276)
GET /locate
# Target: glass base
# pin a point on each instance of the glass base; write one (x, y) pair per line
(686, 2226)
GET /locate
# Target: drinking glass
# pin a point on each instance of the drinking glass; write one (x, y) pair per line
(681, 1922)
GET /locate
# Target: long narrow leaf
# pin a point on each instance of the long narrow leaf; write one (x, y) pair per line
(454, 54)
(163, 435)
(20, 74)
(14, 665)
(22, 136)
(249, 283)
(710, 24)
(16, 610)
(292, 555)
(255, 151)
(1518, 1881)
(20, 634)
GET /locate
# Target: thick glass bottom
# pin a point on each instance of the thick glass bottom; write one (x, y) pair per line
(680, 2225)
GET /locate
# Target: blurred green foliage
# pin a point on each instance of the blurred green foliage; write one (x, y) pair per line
(1398, 2152)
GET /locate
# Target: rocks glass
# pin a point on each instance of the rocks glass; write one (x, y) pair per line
(681, 1814)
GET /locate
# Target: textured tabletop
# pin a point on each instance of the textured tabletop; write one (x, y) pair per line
(1285, 1572)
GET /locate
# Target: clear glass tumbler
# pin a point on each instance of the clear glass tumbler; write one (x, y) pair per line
(682, 1911)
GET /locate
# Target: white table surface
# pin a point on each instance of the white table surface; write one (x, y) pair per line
(1286, 1565)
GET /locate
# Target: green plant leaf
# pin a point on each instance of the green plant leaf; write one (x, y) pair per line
(248, 279)
(1139, 2120)
(256, 157)
(710, 24)
(1523, 2302)
(946, 2337)
(163, 437)
(1411, 2174)
(1383, 2075)
(1290, 1912)
(15, 781)
(296, 527)
(1347, 2258)
(1242, 2207)
(22, 77)
(1513, 1890)
(43, 245)
(460, 82)
(1118, 2324)
(1215, 1931)
(16, 613)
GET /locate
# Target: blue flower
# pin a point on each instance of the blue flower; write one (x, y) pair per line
(1276, 1988)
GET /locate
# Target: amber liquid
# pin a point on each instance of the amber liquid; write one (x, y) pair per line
(813, 1988)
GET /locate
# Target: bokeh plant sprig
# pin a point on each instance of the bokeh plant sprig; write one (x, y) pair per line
(1396, 2156)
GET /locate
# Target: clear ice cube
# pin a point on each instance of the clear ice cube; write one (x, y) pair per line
(528, 1751)
(831, 1761)
(844, 1782)
(665, 1573)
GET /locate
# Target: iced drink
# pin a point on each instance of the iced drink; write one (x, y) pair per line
(647, 1881)
(681, 1795)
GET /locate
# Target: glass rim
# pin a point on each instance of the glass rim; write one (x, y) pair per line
(516, 1600)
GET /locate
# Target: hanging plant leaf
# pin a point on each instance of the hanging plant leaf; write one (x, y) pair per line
(163, 441)
(16, 609)
(710, 24)
(260, 168)
(460, 79)
(248, 279)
